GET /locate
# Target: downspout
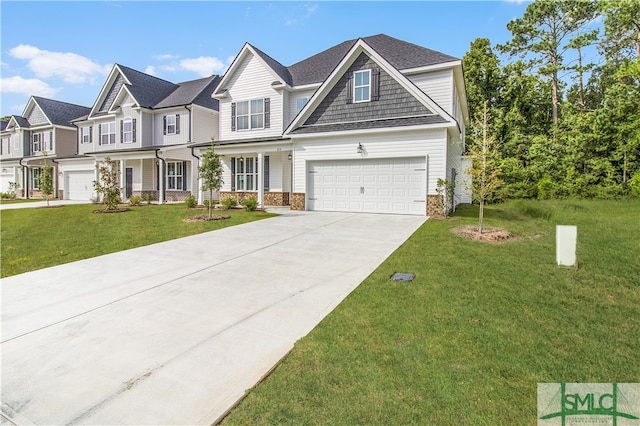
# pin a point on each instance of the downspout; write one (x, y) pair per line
(160, 179)
(25, 176)
(200, 193)
(53, 160)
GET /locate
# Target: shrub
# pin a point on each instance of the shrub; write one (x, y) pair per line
(545, 188)
(135, 200)
(191, 201)
(634, 184)
(229, 203)
(148, 197)
(250, 204)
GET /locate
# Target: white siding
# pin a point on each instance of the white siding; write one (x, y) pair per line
(293, 102)
(251, 81)
(149, 174)
(205, 125)
(438, 85)
(180, 138)
(146, 129)
(429, 144)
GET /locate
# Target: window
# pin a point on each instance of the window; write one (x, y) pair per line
(37, 142)
(253, 114)
(300, 103)
(172, 124)
(46, 141)
(108, 133)
(362, 86)
(85, 134)
(35, 178)
(128, 131)
(246, 171)
(175, 175)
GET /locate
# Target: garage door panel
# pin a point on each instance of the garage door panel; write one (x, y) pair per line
(79, 185)
(390, 185)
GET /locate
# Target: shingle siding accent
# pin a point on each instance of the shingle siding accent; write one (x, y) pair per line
(394, 101)
(36, 116)
(111, 95)
(374, 124)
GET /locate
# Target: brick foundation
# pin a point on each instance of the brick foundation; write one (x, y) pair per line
(297, 201)
(176, 195)
(143, 194)
(60, 194)
(434, 205)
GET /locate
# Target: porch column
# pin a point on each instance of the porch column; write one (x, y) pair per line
(122, 182)
(261, 179)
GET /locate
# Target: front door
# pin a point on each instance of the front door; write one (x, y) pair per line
(128, 182)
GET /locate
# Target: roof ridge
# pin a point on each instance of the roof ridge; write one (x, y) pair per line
(60, 102)
(144, 73)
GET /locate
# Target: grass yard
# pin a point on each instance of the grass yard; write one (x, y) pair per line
(482, 324)
(38, 238)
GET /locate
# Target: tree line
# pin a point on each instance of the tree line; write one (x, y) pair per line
(556, 123)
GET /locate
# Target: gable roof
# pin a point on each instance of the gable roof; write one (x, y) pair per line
(146, 89)
(436, 114)
(60, 113)
(19, 120)
(276, 66)
(3, 125)
(401, 54)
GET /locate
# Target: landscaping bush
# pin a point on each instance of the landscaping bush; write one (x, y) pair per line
(135, 200)
(229, 203)
(148, 198)
(250, 204)
(634, 184)
(191, 201)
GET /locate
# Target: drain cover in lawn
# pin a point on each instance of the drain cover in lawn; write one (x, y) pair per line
(403, 276)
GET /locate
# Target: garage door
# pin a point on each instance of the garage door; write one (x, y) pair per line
(389, 185)
(4, 182)
(80, 185)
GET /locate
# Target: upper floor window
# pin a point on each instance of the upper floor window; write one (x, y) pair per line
(5, 147)
(36, 144)
(128, 130)
(85, 134)
(46, 141)
(253, 114)
(107, 133)
(171, 124)
(300, 103)
(362, 86)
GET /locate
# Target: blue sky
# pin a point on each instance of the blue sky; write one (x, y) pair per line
(64, 50)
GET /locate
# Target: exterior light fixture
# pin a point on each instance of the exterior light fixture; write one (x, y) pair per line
(360, 148)
(289, 156)
(241, 159)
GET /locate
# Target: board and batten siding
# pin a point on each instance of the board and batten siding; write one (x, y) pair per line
(205, 125)
(149, 175)
(251, 81)
(146, 128)
(64, 142)
(181, 138)
(427, 143)
(438, 85)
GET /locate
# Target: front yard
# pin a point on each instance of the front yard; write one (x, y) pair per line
(35, 238)
(481, 325)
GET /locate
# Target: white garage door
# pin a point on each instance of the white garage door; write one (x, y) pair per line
(80, 185)
(389, 185)
(4, 182)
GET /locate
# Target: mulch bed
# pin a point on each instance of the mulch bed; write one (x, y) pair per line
(489, 234)
(118, 210)
(205, 217)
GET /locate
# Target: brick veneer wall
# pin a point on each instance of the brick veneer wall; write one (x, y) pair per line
(177, 195)
(434, 205)
(297, 201)
(143, 194)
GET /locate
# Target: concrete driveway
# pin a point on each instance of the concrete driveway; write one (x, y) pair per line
(174, 333)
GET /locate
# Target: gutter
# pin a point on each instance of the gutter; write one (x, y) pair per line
(200, 196)
(161, 198)
(57, 186)
(26, 178)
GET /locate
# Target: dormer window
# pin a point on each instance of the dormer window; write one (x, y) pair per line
(362, 86)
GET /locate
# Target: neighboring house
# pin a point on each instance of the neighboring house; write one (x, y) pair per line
(369, 125)
(44, 133)
(144, 123)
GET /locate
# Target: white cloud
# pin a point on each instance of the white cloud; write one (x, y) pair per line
(151, 70)
(164, 57)
(27, 86)
(311, 9)
(71, 67)
(203, 66)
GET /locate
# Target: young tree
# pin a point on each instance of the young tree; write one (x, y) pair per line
(484, 170)
(108, 186)
(210, 171)
(46, 181)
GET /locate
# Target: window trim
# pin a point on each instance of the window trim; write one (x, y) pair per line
(37, 136)
(111, 136)
(130, 132)
(361, 86)
(241, 175)
(83, 134)
(250, 115)
(175, 176)
(35, 178)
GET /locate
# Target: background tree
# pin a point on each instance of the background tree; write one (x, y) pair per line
(210, 171)
(46, 181)
(108, 187)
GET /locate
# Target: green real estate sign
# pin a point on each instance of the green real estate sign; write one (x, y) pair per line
(565, 404)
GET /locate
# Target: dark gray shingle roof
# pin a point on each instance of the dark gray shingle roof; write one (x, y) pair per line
(3, 125)
(22, 122)
(401, 54)
(279, 69)
(61, 113)
(147, 89)
(192, 92)
(372, 124)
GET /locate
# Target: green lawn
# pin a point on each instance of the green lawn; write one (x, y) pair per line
(469, 339)
(37, 238)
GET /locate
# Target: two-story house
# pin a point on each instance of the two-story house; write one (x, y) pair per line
(369, 125)
(143, 123)
(44, 133)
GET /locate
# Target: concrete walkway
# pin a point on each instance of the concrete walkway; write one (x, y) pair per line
(34, 204)
(175, 332)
